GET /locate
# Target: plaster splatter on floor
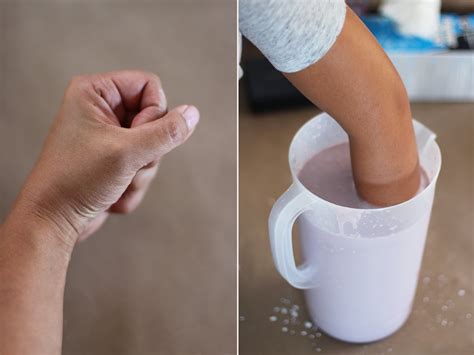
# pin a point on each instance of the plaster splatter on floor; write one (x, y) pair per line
(453, 310)
(436, 306)
(287, 319)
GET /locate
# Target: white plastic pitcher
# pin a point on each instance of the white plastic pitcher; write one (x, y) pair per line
(360, 266)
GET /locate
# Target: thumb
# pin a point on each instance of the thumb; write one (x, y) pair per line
(168, 132)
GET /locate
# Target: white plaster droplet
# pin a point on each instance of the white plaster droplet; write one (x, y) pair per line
(276, 309)
(273, 318)
(318, 350)
(285, 322)
(242, 318)
(304, 333)
(461, 292)
(426, 280)
(308, 325)
(468, 315)
(444, 322)
(284, 329)
(283, 311)
(318, 335)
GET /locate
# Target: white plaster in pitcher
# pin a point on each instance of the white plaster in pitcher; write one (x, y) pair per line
(345, 305)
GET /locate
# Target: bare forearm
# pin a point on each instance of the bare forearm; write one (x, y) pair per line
(33, 265)
(356, 83)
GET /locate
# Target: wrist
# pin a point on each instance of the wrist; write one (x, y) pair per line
(38, 230)
(388, 193)
(386, 172)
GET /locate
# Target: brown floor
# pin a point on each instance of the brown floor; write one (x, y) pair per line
(163, 279)
(264, 175)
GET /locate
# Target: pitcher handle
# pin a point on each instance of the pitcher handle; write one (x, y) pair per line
(284, 213)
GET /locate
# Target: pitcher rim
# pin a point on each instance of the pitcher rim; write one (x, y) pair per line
(400, 205)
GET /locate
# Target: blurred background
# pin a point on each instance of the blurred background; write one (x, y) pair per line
(431, 44)
(161, 280)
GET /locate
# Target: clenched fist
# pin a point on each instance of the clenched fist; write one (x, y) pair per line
(103, 150)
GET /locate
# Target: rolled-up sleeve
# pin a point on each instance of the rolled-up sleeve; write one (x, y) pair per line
(292, 34)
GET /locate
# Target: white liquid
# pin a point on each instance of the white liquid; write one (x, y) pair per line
(328, 174)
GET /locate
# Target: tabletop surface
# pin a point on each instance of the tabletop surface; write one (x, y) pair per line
(446, 276)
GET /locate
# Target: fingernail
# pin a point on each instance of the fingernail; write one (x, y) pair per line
(191, 115)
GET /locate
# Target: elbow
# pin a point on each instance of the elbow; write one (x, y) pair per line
(398, 102)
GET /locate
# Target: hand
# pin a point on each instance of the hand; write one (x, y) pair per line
(103, 150)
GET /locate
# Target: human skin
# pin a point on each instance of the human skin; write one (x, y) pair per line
(100, 156)
(356, 83)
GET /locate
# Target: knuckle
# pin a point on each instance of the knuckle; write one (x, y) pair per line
(153, 76)
(76, 81)
(174, 132)
(76, 85)
(128, 203)
(134, 186)
(127, 207)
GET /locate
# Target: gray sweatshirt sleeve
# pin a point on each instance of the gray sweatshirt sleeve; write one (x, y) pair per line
(292, 34)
